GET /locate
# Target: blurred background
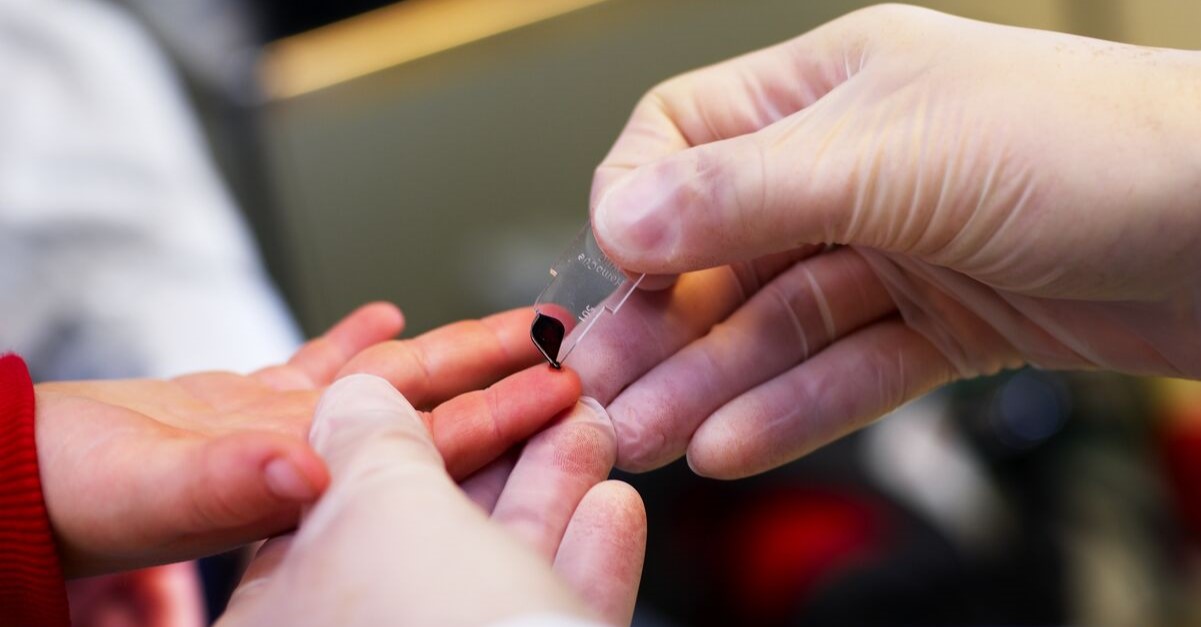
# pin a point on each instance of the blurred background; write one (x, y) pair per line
(438, 153)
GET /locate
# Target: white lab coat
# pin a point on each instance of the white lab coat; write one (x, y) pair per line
(121, 253)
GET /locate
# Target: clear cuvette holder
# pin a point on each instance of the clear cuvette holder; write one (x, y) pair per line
(585, 286)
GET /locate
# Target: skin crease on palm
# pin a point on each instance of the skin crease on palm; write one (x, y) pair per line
(142, 472)
(894, 200)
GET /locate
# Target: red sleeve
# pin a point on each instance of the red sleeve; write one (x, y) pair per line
(31, 582)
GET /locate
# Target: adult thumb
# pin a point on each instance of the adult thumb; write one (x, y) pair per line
(363, 425)
(730, 200)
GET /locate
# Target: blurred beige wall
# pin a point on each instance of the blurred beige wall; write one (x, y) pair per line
(448, 183)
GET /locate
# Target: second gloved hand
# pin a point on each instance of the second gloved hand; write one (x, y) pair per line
(394, 541)
(1008, 196)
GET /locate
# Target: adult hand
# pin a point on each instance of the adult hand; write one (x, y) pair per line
(142, 472)
(1008, 196)
(395, 542)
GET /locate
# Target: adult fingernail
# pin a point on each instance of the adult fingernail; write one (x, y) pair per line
(632, 218)
(286, 482)
(594, 405)
(590, 409)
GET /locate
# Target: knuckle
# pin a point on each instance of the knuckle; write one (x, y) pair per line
(526, 521)
(494, 404)
(415, 379)
(659, 95)
(887, 12)
(897, 19)
(642, 440)
(215, 501)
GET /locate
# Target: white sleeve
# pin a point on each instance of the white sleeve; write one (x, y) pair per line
(546, 620)
(121, 253)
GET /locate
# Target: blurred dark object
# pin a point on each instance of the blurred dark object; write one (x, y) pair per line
(282, 17)
(220, 574)
(879, 529)
(1180, 442)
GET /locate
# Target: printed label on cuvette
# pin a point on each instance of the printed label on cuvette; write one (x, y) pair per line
(585, 287)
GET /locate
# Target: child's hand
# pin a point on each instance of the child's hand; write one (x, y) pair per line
(140, 472)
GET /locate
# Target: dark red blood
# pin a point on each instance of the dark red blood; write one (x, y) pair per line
(547, 333)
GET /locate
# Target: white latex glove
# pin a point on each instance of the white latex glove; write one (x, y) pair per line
(1008, 196)
(395, 542)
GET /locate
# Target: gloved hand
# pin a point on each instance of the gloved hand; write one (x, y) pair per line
(1003, 195)
(142, 472)
(395, 542)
